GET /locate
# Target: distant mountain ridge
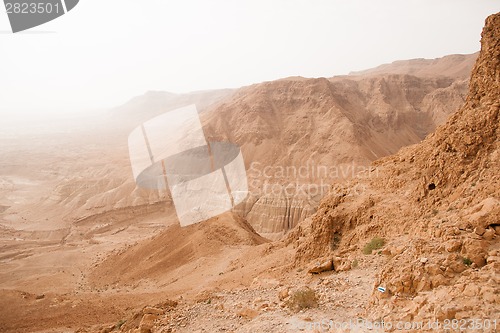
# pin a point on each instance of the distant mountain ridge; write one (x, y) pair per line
(457, 66)
(153, 103)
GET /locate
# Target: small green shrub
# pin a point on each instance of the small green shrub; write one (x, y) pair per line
(304, 298)
(467, 261)
(375, 244)
(354, 263)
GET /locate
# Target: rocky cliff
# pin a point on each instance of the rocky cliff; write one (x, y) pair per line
(436, 204)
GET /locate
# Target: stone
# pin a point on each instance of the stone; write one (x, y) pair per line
(492, 259)
(497, 229)
(153, 311)
(449, 273)
(462, 315)
(258, 300)
(423, 284)
(387, 251)
(476, 250)
(322, 267)
(341, 264)
(484, 212)
(147, 323)
(490, 297)
(445, 313)
(471, 290)
(479, 230)
(489, 234)
(453, 245)
(438, 280)
(459, 287)
(247, 313)
(259, 282)
(433, 269)
(283, 294)
(107, 329)
(457, 267)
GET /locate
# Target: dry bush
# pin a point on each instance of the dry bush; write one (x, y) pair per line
(375, 244)
(304, 298)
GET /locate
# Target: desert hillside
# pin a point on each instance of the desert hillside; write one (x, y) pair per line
(436, 204)
(83, 249)
(428, 217)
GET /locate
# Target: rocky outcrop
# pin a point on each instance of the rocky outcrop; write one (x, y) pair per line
(437, 204)
(272, 216)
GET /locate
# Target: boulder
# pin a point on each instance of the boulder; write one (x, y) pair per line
(453, 245)
(341, 264)
(320, 267)
(489, 234)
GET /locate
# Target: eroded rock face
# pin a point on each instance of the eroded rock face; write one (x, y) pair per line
(273, 216)
(341, 123)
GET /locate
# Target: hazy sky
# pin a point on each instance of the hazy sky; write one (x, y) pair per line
(104, 52)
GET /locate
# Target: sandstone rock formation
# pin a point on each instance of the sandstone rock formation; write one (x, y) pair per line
(341, 124)
(274, 215)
